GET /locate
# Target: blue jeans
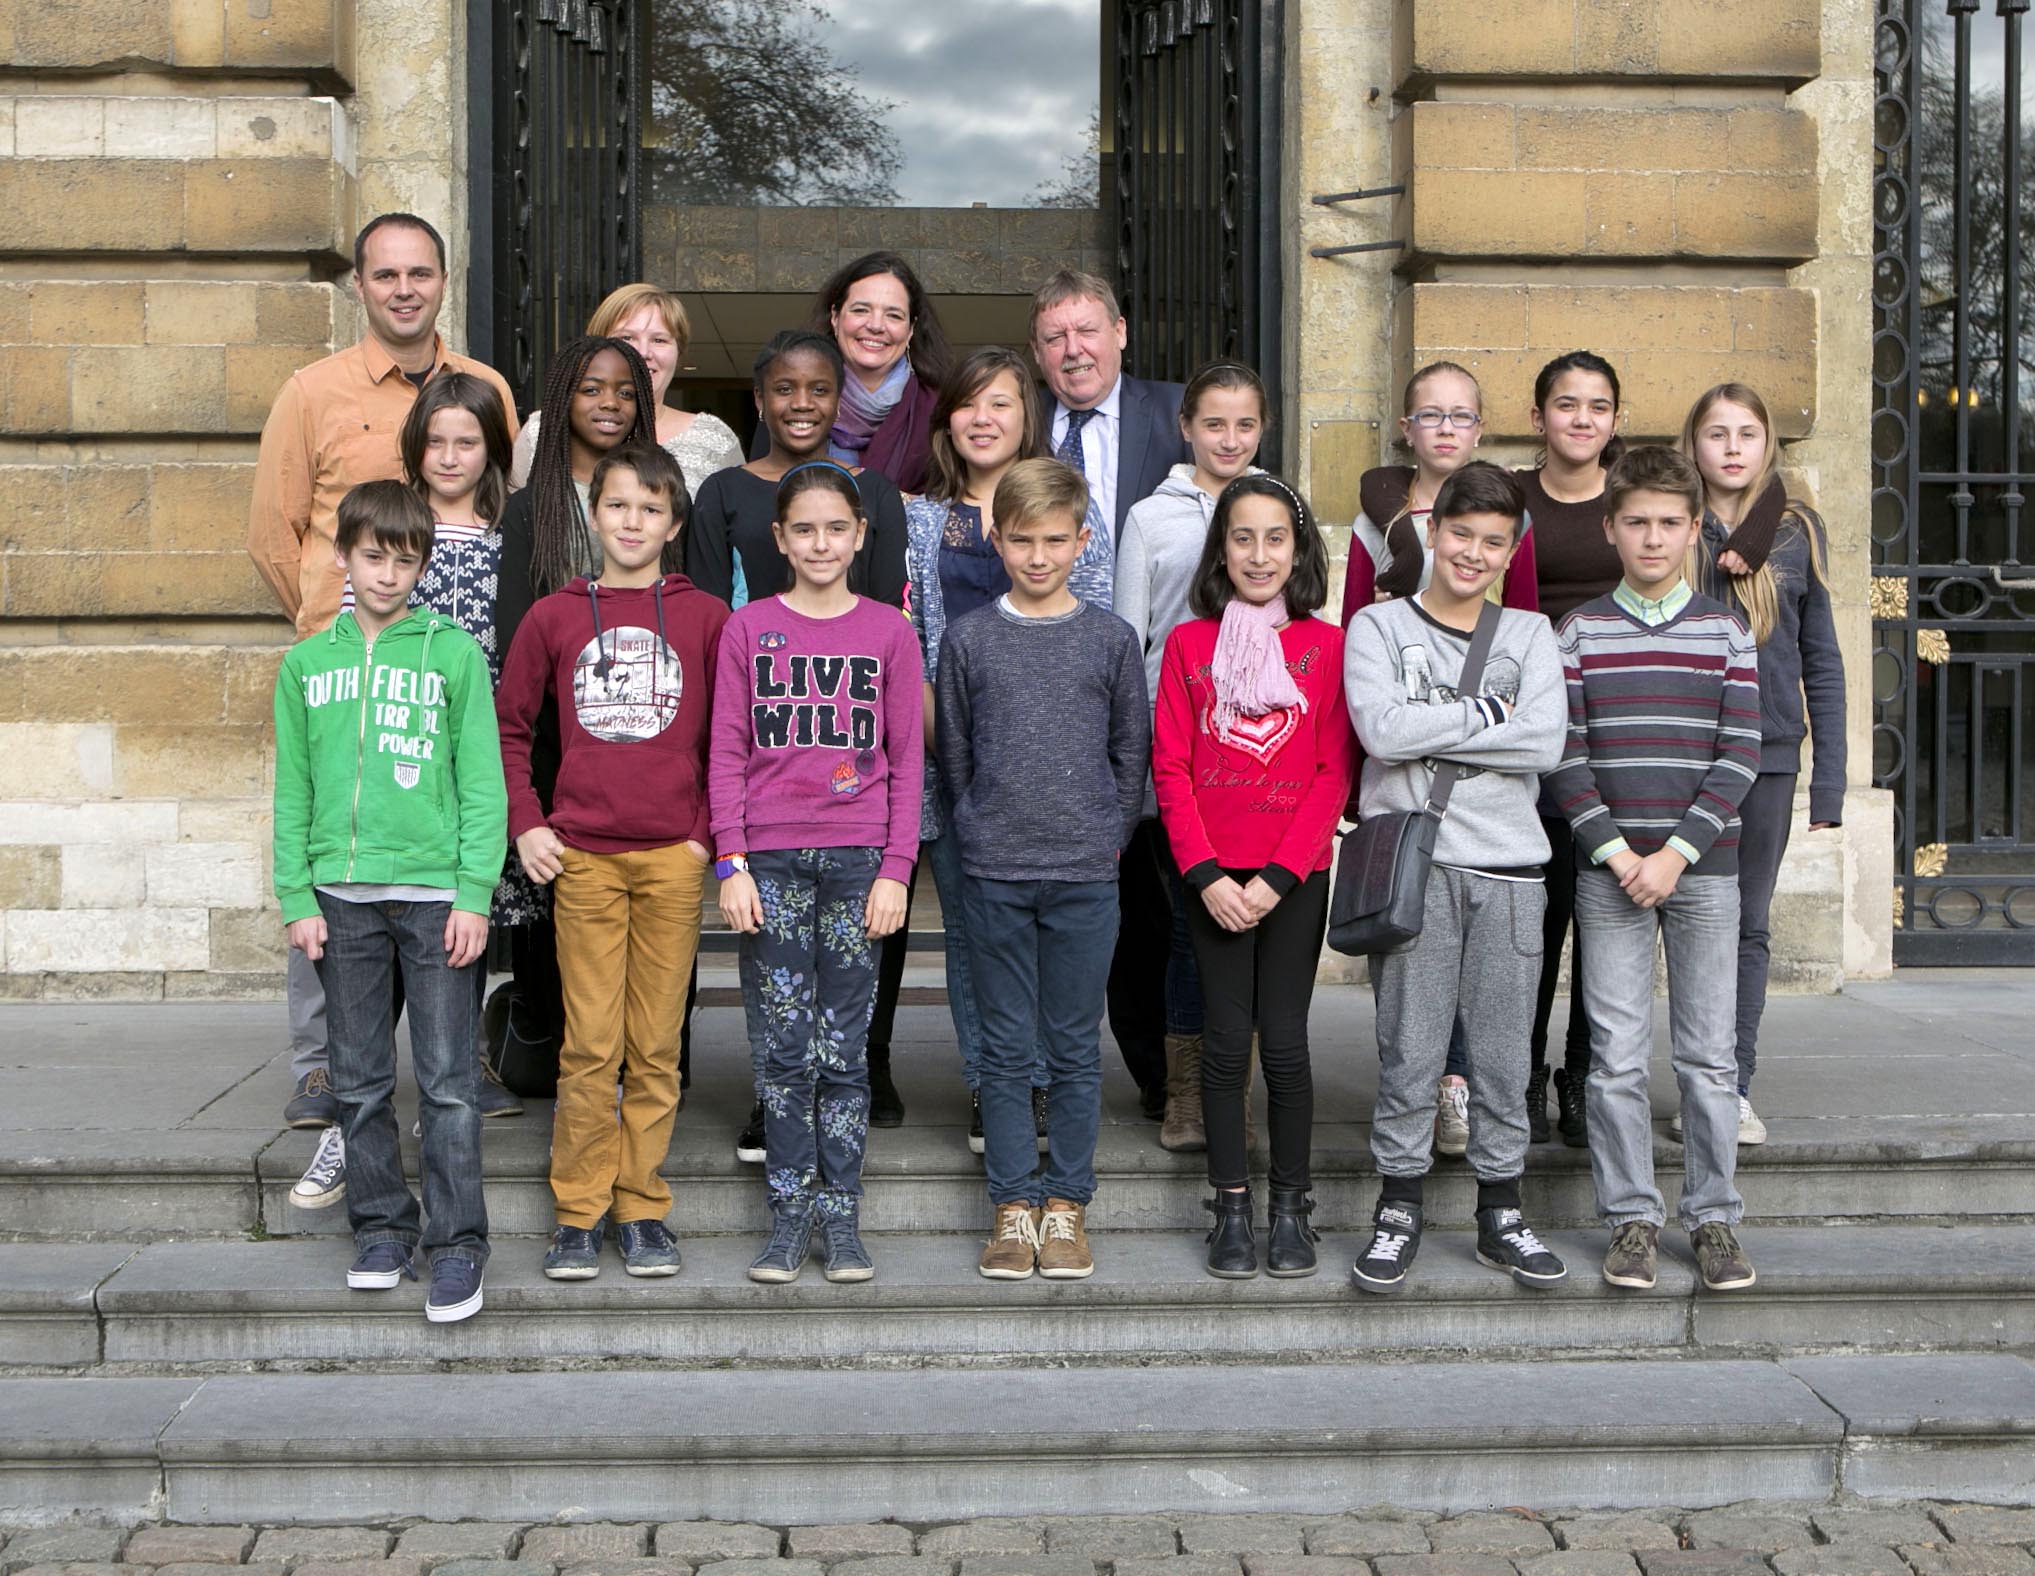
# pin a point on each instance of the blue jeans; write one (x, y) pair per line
(944, 854)
(1699, 925)
(815, 973)
(1184, 1011)
(1042, 958)
(365, 943)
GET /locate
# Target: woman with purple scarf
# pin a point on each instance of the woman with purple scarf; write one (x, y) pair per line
(897, 357)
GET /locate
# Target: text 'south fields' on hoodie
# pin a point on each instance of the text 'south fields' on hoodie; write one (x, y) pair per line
(633, 674)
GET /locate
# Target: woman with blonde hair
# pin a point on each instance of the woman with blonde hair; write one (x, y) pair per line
(1762, 554)
(653, 321)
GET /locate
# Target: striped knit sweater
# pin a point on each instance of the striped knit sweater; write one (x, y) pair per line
(1664, 731)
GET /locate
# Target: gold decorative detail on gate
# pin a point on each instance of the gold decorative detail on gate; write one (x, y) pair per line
(1932, 646)
(1931, 859)
(1889, 597)
(1900, 907)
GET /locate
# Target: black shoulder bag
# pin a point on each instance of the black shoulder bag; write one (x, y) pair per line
(1380, 897)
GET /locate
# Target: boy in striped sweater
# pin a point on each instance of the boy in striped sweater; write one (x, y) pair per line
(1663, 742)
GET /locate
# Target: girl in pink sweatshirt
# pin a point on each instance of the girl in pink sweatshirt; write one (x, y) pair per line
(813, 776)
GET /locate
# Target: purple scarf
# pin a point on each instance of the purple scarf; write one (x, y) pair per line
(1249, 668)
(862, 412)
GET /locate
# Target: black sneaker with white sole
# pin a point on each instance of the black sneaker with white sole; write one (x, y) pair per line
(1395, 1240)
(749, 1142)
(1506, 1242)
(1041, 1102)
(976, 1142)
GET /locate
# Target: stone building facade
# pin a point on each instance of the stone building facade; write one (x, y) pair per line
(1685, 189)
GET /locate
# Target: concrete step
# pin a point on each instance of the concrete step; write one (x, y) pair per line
(137, 1186)
(177, 1305)
(815, 1444)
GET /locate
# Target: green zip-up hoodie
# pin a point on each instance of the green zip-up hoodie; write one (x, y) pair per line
(388, 766)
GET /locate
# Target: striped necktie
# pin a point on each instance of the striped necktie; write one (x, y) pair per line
(1094, 576)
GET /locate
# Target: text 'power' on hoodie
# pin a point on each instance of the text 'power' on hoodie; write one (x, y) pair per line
(633, 674)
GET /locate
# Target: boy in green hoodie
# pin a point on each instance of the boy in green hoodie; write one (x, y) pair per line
(391, 822)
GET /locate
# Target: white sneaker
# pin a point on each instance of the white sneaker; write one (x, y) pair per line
(1751, 1130)
(1451, 1118)
(324, 1179)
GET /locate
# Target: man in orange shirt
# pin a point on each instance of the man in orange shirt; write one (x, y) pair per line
(334, 425)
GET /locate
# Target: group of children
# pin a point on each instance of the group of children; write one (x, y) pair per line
(813, 741)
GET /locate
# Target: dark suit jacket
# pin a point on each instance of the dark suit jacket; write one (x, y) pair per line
(1149, 442)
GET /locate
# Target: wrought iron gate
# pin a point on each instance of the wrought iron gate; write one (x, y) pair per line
(1953, 598)
(553, 151)
(1197, 183)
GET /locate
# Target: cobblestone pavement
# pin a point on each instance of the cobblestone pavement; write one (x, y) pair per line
(1878, 1539)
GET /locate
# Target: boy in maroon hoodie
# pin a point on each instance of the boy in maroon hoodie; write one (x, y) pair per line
(628, 657)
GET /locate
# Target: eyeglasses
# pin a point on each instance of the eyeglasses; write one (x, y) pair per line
(1434, 416)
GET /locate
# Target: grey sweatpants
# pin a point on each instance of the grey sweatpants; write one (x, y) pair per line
(1478, 951)
(307, 1017)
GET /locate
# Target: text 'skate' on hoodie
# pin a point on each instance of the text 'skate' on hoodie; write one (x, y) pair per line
(632, 671)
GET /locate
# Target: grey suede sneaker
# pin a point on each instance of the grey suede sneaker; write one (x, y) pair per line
(1722, 1261)
(1633, 1259)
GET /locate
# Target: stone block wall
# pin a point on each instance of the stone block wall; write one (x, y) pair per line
(181, 182)
(1682, 189)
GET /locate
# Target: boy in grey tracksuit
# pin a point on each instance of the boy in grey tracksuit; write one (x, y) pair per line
(1479, 951)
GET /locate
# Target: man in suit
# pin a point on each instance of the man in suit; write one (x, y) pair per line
(1123, 434)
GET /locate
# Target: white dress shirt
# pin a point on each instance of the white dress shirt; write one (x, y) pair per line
(1101, 440)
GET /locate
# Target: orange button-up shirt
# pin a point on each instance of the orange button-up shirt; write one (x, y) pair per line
(334, 425)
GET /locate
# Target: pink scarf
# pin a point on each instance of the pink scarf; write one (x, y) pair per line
(1249, 669)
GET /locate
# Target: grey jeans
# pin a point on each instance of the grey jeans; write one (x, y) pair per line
(1699, 924)
(1477, 960)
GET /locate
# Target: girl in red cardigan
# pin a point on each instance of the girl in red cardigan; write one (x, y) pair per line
(1251, 757)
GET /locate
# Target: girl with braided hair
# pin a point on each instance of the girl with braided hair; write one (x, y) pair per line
(597, 397)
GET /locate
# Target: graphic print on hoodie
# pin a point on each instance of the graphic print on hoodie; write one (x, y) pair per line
(632, 671)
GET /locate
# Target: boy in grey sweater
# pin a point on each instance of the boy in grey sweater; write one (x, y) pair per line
(1043, 733)
(1479, 952)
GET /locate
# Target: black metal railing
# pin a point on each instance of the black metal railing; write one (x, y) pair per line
(555, 87)
(1197, 173)
(1953, 597)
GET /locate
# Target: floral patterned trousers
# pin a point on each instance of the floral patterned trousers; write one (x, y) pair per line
(814, 969)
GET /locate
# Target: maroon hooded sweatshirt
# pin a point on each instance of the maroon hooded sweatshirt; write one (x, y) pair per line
(633, 674)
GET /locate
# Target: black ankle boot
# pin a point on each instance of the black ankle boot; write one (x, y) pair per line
(1574, 1121)
(1537, 1131)
(1232, 1247)
(886, 1106)
(1290, 1253)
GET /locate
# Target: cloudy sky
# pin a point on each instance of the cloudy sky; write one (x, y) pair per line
(991, 95)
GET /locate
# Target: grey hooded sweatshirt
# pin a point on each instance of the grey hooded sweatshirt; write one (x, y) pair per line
(1162, 541)
(1400, 667)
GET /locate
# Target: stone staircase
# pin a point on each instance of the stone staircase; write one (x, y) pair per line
(177, 1342)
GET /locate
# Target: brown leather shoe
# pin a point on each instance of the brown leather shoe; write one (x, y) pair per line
(1063, 1242)
(1013, 1247)
(1182, 1131)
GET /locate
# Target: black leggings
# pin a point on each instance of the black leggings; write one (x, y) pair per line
(890, 960)
(1263, 977)
(1561, 914)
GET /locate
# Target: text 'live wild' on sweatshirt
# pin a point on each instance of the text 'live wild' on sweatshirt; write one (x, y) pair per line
(632, 671)
(1264, 793)
(1402, 669)
(1664, 730)
(819, 733)
(387, 771)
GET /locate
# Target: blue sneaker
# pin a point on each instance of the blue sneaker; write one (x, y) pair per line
(382, 1266)
(791, 1239)
(575, 1253)
(455, 1290)
(847, 1259)
(648, 1248)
